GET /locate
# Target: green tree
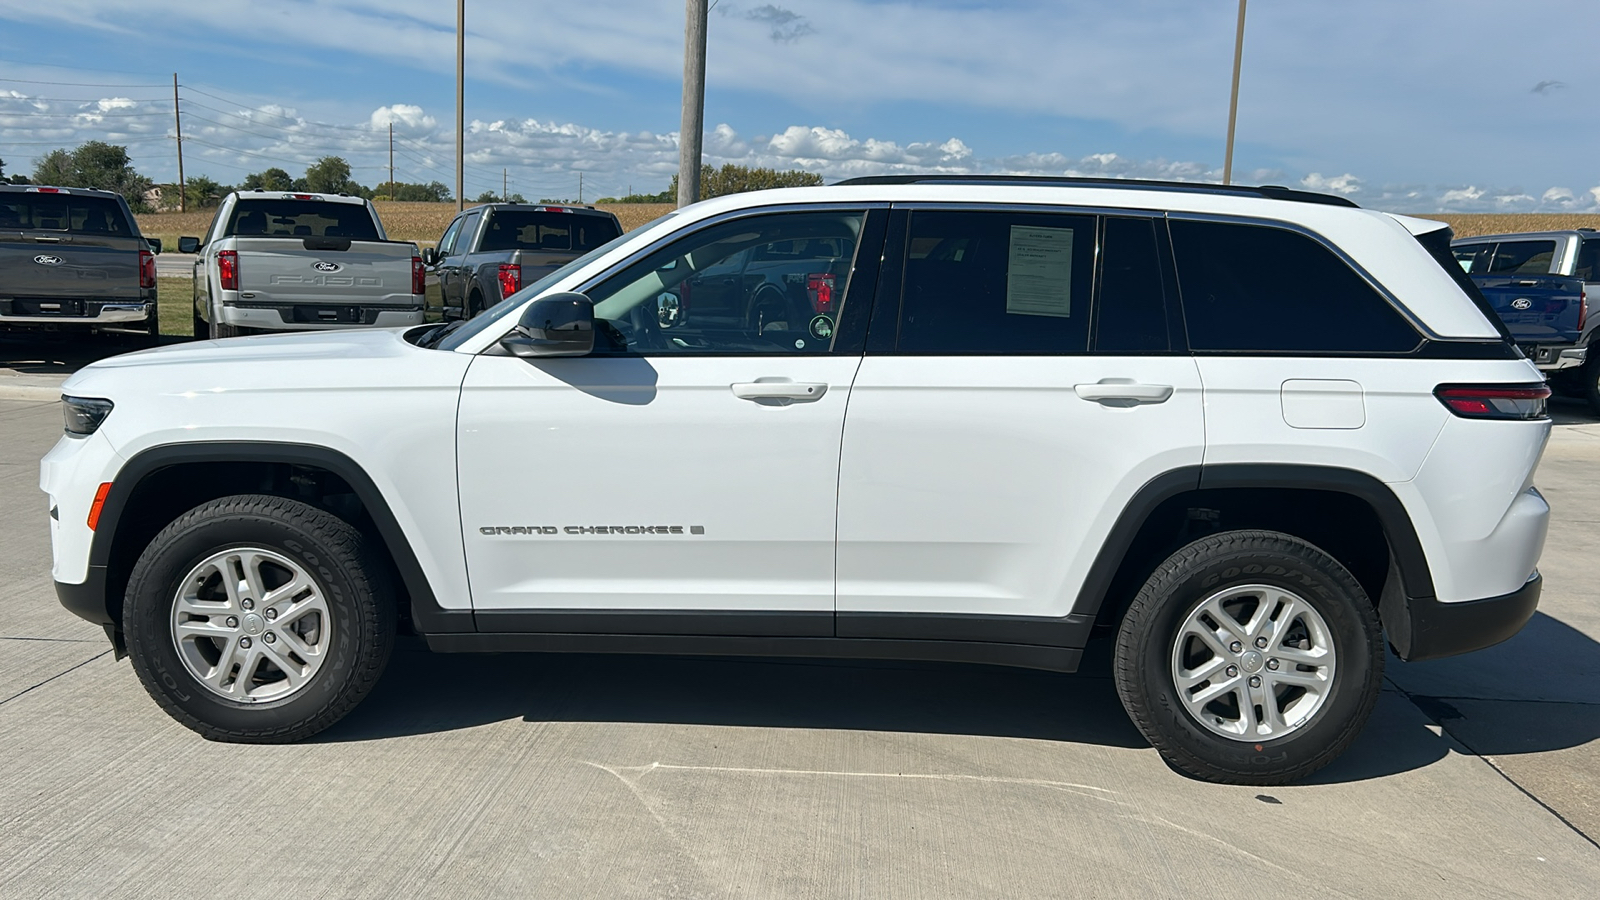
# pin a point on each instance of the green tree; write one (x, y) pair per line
(94, 164)
(331, 175)
(201, 192)
(273, 179)
(487, 197)
(732, 179)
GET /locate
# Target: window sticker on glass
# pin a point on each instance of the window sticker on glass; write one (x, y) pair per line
(1039, 273)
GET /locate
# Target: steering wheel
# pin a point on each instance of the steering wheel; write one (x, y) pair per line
(640, 328)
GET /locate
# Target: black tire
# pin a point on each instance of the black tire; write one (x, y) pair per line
(474, 305)
(1143, 666)
(1589, 380)
(202, 331)
(337, 557)
(221, 330)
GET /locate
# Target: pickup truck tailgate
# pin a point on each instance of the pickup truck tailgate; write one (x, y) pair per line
(69, 267)
(334, 271)
(1536, 309)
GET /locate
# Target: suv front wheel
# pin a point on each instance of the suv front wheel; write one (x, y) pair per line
(258, 619)
(1249, 657)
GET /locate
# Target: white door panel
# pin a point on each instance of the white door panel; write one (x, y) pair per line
(986, 485)
(651, 483)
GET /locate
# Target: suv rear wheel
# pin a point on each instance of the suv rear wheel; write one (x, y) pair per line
(1249, 657)
(258, 619)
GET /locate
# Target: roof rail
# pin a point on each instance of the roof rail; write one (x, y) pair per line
(1269, 191)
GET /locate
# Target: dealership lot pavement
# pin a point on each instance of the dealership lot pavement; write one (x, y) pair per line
(556, 776)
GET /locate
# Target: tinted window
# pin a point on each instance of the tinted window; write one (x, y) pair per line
(554, 232)
(301, 218)
(1588, 267)
(63, 212)
(997, 282)
(447, 242)
(1250, 288)
(1472, 258)
(767, 284)
(1131, 316)
(1522, 258)
(469, 226)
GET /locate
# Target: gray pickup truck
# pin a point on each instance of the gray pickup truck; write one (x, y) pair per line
(1526, 264)
(73, 259)
(489, 252)
(277, 261)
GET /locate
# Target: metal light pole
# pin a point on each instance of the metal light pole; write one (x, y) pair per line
(694, 101)
(461, 115)
(1233, 101)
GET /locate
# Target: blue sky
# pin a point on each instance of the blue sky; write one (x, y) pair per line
(1421, 106)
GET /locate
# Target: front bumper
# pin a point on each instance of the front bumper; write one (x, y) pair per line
(1429, 629)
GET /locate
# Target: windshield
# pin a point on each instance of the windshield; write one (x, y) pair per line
(495, 313)
(74, 213)
(302, 218)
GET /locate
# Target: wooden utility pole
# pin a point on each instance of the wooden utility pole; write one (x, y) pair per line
(694, 101)
(391, 160)
(461, 95)
(580, 187)
(505, 185)
(177, 124)
(1233, 100)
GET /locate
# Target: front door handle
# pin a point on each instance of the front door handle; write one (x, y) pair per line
(790, 391)
(1125, 391)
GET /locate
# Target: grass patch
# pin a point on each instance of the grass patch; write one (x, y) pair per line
(175, 306)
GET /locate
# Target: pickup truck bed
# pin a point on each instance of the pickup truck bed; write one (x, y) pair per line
(73, 258)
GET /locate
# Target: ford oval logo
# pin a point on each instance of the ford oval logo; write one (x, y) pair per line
(47, 260)
(1521, 303)
(327, 267)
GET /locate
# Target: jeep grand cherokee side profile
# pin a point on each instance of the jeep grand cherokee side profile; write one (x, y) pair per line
(1251, 435)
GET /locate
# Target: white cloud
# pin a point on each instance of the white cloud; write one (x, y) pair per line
(404, 116)
(1458, 195)
(1339, 184)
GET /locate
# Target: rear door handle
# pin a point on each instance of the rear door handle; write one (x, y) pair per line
(799, 392)
(1124, 391)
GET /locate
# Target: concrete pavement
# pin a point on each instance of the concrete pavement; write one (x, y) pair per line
(556, 776)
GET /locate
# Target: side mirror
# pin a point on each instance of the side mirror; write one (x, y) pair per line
(188, 245)
(669, 310)
(430, 257)
(155, 245)
(557, 325)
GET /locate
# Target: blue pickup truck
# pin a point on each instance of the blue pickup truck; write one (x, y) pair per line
(1536, 283)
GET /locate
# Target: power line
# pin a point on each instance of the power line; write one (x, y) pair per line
(79, 83)
(298, 162)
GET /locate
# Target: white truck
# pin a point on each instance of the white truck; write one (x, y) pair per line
(1249, 437)
(280, 261)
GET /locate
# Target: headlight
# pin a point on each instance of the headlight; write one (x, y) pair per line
(83, 415)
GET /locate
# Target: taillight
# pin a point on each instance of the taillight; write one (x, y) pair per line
(1583, 309)
(820, 288)
(419, 276)
(1495, 401)
(510, 279)
(147, 269)
(228, 269)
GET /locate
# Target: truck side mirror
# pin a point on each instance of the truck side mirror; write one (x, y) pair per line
(557, 325)
(188, 245)
(430, 256)
(155, 245)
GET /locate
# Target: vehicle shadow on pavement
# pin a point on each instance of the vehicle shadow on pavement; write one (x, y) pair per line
(424, 693)
(61, 354)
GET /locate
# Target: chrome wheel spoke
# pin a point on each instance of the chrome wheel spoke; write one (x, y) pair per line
(1208, 670)
(1213, 691)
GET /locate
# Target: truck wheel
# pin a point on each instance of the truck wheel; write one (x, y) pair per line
(202, 331)
(1589, 380)
(258, 619)
(1249, 657)
(222, 330)
(474, 305)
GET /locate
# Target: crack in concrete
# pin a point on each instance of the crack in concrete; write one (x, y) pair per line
(54, 677)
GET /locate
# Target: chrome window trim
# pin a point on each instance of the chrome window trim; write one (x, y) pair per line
(1225, 219)
(1034, 208)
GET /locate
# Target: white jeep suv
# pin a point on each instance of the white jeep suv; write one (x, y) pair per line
(1249, 434)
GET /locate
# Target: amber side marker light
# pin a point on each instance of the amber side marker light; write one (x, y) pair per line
(99, 502)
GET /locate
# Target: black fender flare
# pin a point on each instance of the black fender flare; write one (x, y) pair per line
(428, 616)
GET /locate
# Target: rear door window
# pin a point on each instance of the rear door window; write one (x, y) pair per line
(554, 232)
(73, 213)
(1015, 283)
(1473, 258)
(1260, 289)
(1522, 258)
(302, 218)
(1131, 313)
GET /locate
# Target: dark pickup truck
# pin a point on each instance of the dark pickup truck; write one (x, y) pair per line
(1545, 311)
(490, 251)
(73, 259)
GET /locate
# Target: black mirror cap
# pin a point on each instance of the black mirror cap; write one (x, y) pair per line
(155, 245)
(555, 325)
(430, 257)
(188, 245)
